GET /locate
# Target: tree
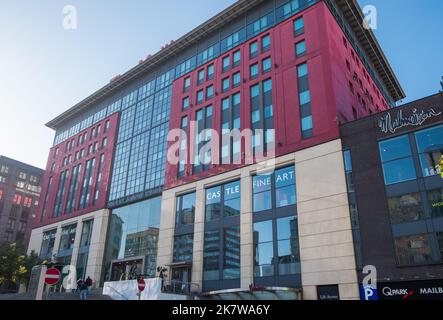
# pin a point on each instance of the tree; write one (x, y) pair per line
(15, 265)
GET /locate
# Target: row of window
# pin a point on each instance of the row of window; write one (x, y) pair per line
(275, 234)
(397, 155)
(4, 169)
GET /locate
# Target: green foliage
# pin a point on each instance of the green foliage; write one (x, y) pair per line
(15, 264)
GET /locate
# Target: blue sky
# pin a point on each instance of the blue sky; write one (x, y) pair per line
(45, 69)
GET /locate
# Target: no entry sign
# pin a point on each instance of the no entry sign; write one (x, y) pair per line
(141, 285)
(53, 276)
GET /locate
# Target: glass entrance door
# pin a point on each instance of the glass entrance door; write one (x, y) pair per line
(126, 270)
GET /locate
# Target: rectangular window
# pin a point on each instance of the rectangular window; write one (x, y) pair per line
(265, 43)
(183, 146)
(200, 96)
(300, 49)
(183, 248)
(48, 242)
(287, 246)
(236, 79)
(231, 253)
(413, 250)
(87, 184)
(211, 255)
(253, 49)
(254, 71)
(99, 179)
(223, 201)
(185, 210)
(210, 72)
(305, 101)
(204, 122)
(225, 84)
(263, 249)
(185, 104)
(230, 119)
(406, 208)
(299, 26)
(236, 58)
(187, 84)
(396, 157)
(266, 65)
(201, 77)
(226, 63)
(435, 198)
(278, 188)
(209, 92)
(60, 193)
(430, 149)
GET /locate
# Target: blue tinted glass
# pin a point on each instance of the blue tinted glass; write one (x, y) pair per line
(395, 148)
(399, 170)
(306, 123)
(302, 70)
(263, 231)
(287, 228)
(232, 190)
(430, 139)
(300, 48)
(261, 183)
(285, 196)
(298, 24)
(348, 162)
(305, 97)
(284, 177)
(213, 195)
(262, 201)
(255, 91)
(267, 85)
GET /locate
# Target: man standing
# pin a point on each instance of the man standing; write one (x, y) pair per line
(83, 291)
(89, 284)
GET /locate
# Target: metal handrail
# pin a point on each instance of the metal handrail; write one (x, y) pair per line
(180, 287)
(119, 293)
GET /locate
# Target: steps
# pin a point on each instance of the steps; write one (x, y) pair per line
(96, 294)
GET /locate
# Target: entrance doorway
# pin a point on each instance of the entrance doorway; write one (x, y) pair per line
(126, 269)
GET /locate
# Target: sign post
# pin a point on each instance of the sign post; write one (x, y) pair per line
(141, 287)
(52, 277)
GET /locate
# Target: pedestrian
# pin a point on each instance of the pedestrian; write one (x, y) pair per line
(88, 282)
(83, 291)
(79, 284)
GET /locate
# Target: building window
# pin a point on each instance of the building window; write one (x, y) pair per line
(266, 65)
(200, 96)
(200, 77)
(48, 242)
(183, 248)
(435, 198)
(278, 188)
(187, 84)
(430, 149)
(204, 122)
(397, 162)
(236, 58)
(263, 249)
(223, 201)
(210, 72)
(236, 80)
(10, 225)
(60, 193)
(225, 84)
(413, 250)
(300, 49)
(209, 92)
(85, 194)
(253, 49)
(27, 202)
(185, 210)
(254, 71)
(231, 253)
(183, 146)
(406, 208)
(226, 63)
(231, 147)
(22, 175)
(305, 101)
(85, 238)
(67, 240)
(4, 169)
(440, 243)
(73, 188)
(211, 254)
(185, 104)
(287, 246)
(265, 43)
(299, 26)
(98, 179)
(17, 200)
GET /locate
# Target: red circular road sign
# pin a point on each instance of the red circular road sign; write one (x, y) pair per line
(141, 285)
(53, 276)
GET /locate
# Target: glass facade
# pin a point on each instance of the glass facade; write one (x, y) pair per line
(413, 250)
(430, 150)
(221, 254)
(304, 95)
(435, 198)
(406, 208)
(133, 237)
(48, 242)
(66, 245)
(275, 229)
(85, 242)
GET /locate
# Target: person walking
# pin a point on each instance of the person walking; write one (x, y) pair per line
(83, 291)
(88, 283)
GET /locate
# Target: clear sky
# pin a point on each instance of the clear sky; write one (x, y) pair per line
(45, 69)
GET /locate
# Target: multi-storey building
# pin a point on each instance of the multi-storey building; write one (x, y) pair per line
(19, 197)
(396, 158)
(289, 72)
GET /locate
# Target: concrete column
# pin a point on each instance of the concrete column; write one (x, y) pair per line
(167, 229)
(199, 229)
(97, 246)
(246, 238)
(325, 233)
(76, 247)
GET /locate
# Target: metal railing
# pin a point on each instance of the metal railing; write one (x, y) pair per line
(180, 287)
